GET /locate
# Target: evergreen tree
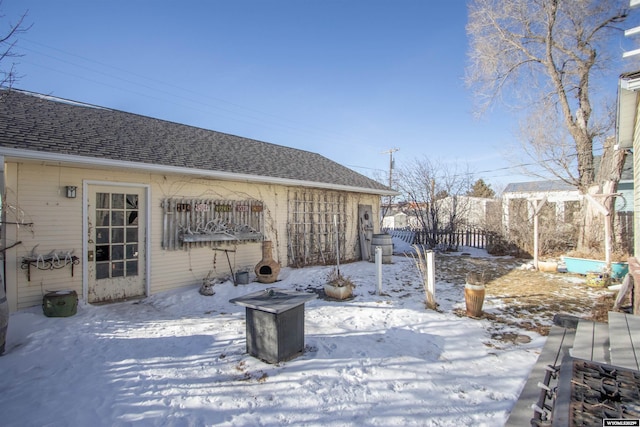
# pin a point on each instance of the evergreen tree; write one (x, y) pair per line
(481, 189)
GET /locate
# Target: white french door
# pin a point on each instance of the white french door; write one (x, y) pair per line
(116, 243)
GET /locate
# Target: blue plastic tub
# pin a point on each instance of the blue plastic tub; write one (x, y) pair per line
(585, 266)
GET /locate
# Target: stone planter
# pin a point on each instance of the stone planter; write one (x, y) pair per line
(338, 292)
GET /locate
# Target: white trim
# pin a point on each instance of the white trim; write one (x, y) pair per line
(226, 176)
(630, 53)
(85, 231)
(626, 111)
(631, 31)
(85, 250)
(630, 84)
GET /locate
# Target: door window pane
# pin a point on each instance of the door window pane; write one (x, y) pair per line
(117, 201)
(117, 218)
(132, 251)
(132, 218)
(102, 253)
(117, 252)
(132, 201)
(102, 235)
(117, 235)
(132, 235)
(132, 268)
(102, 201)
(117, 269)
(102, 218)
(102, 270)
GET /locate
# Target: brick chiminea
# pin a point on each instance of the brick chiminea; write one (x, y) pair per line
(267, 270)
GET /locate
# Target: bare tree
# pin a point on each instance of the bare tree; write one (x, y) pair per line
(8, 74)
(426, 185)
(544, 55)
(541, 56)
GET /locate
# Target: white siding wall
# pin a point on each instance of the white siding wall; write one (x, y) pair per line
(36, 193)
(636, 179)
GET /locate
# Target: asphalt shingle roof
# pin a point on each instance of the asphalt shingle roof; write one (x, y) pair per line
(535, 186)
(39, 123)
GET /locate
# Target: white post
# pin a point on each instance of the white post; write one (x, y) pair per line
(335, 223)
(538, 204)
(431, 281)
(535, 241)
(379, 268)
(607, 241)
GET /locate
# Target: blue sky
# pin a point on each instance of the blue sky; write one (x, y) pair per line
(347, 79)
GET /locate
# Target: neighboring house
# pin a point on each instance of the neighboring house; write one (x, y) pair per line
(116, 205)
(395, 220)
(562, 201)
(468, 211)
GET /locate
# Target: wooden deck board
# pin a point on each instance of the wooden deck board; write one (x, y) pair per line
(556, 347)
(624, 330)
(614, 343)
(583, 342)
(563, 400)
(601, 344)
(592, 342)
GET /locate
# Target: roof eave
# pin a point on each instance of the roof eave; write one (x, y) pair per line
(66, 159)
(627, 108)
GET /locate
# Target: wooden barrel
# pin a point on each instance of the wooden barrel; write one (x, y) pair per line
(386, 244)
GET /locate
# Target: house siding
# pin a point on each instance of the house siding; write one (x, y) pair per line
(36, 192)
(35, 195)
(636, 179)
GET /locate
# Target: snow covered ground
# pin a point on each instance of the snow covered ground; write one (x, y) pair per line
(179, 359)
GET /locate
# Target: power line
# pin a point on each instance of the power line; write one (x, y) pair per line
(146, 82)
(244, 117)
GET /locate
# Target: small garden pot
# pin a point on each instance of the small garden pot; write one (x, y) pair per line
(474, 299)
(338, 292)
(242, 278)
(548, 266)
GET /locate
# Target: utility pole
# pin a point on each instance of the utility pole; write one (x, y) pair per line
(390, 152)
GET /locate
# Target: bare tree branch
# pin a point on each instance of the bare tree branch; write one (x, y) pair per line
(542, 53)
(8, 42)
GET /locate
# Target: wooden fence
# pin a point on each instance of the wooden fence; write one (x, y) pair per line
(625, 229)
(472, 237)
(478, 238)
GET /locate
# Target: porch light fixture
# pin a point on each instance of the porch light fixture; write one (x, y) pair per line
(71, 191)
